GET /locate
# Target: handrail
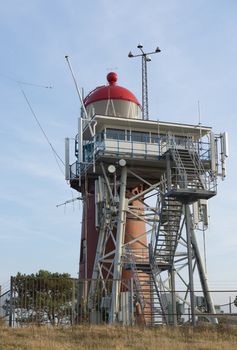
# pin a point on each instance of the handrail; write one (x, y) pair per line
(155, 272)
(140, 295)
(100, 145)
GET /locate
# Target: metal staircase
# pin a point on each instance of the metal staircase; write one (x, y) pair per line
(151, 307)
(186, 176)
(190, 167)
(166, 238)
(184, 182)
(137, 282)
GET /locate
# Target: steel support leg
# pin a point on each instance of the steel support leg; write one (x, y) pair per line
(203, 276)
(118, 250)
(174, 308)
(190, 267)
(98, 255)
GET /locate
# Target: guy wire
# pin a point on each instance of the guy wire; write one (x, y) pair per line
(56, 156)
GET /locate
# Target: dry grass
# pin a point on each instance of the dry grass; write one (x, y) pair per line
(110, 337)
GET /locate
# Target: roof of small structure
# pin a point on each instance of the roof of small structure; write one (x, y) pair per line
(110, 91)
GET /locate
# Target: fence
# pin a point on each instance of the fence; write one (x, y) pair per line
(68, 301)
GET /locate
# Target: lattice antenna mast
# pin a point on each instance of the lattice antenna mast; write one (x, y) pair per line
(145, 58)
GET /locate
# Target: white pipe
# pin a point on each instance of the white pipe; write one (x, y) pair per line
(94, 141)
(225, 144)
(213, 154)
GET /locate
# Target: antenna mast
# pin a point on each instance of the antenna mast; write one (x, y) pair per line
(145, 59)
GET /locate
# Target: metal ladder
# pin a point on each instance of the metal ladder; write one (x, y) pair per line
(192, 168)
(147, 290)
(189, 166)
(166, 237)
(135, 275)
(161, 293)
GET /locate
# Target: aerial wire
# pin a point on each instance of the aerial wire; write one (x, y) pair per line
(20, 83)
(56, 156)
(58, 159)
(25, 82)
(73, 201)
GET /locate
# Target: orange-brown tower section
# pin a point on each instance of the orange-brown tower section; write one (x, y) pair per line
(114, 101)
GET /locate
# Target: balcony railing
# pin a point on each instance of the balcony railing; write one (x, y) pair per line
(101, 145)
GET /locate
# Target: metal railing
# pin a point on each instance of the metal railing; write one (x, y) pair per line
(201, 147)
(147, 149)
(132, 261)
(189, 172)
(138, 255)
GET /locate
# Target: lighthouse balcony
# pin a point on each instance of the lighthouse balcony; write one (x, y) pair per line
(142, 150)
(143, 144)
(131, 143)
(127, 149)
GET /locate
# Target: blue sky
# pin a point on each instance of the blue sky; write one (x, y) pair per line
(197, 62)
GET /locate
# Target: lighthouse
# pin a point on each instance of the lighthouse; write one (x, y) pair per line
(145, 186)
(110, 100)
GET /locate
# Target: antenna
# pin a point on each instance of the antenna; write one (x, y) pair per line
(69, 201)
(111, 69)
(79, 93)
(76, 85)
(199, 113)
(145, 58)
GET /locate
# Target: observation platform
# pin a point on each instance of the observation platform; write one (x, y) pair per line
(143, 144)
(189, 195)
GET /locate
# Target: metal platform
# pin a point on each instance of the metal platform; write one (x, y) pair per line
(190, 195)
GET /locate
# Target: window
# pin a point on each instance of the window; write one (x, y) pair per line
(155, 138)
(115, 134)
(140, 136)
(180, 140)
(88, 150)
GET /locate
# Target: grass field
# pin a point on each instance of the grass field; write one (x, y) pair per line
(110, 337)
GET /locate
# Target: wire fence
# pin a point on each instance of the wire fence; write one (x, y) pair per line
(69, 301)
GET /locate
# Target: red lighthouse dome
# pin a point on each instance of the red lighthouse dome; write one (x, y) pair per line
(113, 100)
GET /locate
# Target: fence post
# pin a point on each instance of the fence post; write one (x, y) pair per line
(73, 302)
(11, 306)
(0, 300)
(230, 310)
(131, 310)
